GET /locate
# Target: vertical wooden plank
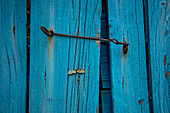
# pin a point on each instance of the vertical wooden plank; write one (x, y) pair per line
(105, 93)
(13, 59)
(106, 101)
(51, 88)
(168, 59)
(128, 71)
(104, 55)
(158, 11)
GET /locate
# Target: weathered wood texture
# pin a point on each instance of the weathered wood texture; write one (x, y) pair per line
(128, 71)
(51, 88)
(105, 101)
(105, 93)
(13, 59)
(104, 55)
(159, 18)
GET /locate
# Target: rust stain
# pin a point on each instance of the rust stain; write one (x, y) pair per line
(164, 59)
(149, 94)
(166, 74)
(140, 102)
(78, 79)
(28, 12)
(97, 109)
(98, 36)
(166, 32)
(163, 3)
(80, 71)
(51, 46)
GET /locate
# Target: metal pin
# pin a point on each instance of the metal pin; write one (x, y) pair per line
(115, 41)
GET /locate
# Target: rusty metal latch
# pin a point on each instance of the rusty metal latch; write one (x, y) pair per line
(79, 71)
(115, 41)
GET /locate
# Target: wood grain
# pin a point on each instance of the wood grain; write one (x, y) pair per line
(13, 59)
(51, 89)
(128, 71)
(159, 18)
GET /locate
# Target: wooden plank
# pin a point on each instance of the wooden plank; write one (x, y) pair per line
(168, 58)
(105, 101)
(159, 18)
(13, 56)
(128, 71)
(104, 61)
(105, 93)
(51, 88)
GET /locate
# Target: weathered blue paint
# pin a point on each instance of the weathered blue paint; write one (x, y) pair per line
(105, 93)
(51, 88)
(159, 14)
(104, 55)
(128, 71)
(105, 101)
(168, 58)
(13, 59)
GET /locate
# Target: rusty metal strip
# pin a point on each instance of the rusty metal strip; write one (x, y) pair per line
(115, 41)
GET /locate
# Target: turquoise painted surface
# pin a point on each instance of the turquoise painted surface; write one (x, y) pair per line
(159, 14)
(105, 93)
(51, 89)
(128, 71)
(13, 59)
(106, 101)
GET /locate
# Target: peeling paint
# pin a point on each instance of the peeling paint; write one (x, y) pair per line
(76, 71)
(80, 71)
(71, 72)
(140, 102)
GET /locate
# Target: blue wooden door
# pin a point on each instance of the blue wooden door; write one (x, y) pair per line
(51, 88)
(43, 82)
